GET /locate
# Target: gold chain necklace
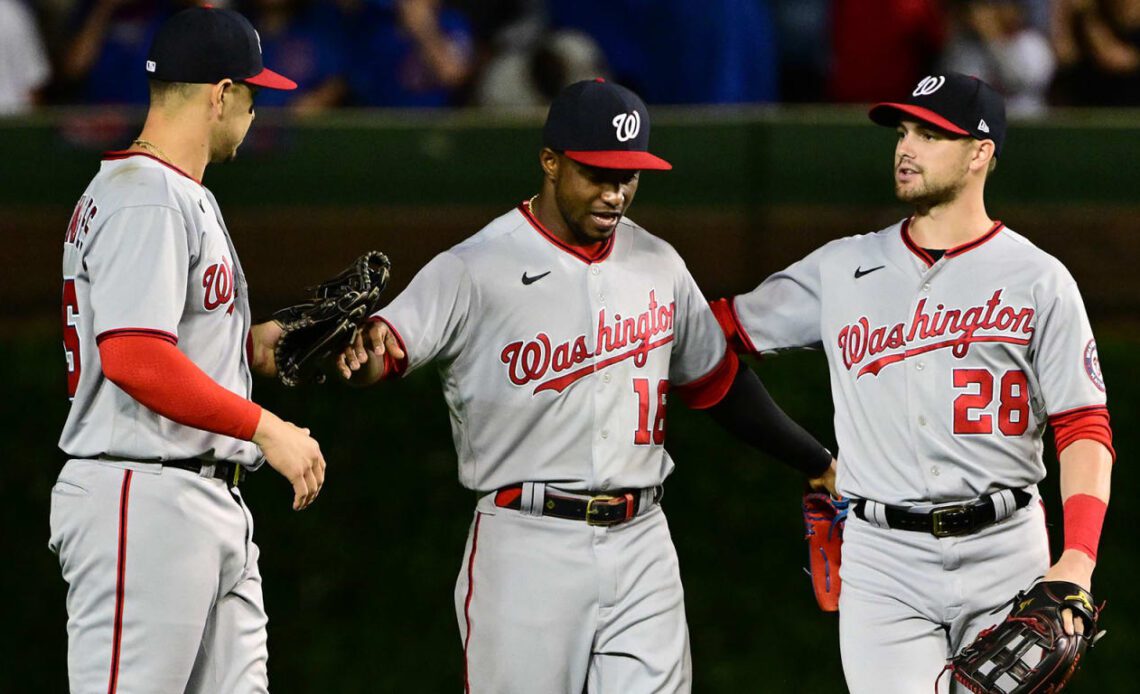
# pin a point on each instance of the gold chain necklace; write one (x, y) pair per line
(530, 204)
(154, 149)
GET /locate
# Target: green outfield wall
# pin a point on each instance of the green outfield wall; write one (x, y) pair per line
(359, 587)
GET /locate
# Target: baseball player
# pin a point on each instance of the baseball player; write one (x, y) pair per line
(561, 331)
(154, 540)
(952, 341)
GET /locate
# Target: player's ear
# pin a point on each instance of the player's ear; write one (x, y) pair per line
(219, 94)
(549, 160)
(983, 154)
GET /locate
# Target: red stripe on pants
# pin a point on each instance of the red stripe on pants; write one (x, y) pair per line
(467, 604)
(120, 582)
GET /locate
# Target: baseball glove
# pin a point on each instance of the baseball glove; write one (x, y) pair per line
(324, 324)
(1030, 652)
(824, 520)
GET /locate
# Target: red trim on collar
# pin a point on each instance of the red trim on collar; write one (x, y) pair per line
(587, 254)
(123, 154)
(951, 252)
(958, 250)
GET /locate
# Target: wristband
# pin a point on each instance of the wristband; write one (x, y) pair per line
(1084, 518)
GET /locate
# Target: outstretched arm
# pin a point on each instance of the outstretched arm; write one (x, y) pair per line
(749, 413)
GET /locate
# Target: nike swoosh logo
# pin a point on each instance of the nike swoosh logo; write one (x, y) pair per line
(532, 280)
(860, 272)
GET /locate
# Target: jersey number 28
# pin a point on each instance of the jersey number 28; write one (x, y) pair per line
(1013, 402)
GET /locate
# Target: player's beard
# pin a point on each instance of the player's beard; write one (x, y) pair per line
(930, 194)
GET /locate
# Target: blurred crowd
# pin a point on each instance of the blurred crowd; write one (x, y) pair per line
(507, 53)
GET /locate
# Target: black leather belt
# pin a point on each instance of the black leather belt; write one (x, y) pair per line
(231, 473)
(945, 521)
(602, 509)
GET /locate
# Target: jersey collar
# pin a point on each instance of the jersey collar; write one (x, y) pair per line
(595, 253)
(952, 252)
(123, 154)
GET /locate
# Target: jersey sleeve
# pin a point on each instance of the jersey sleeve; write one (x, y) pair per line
(702, 367)
(138, 263)
(1065, 355)
(429, 317)
(1068, 371)
(784, 311)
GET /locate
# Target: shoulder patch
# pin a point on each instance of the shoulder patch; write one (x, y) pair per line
(1092, 365)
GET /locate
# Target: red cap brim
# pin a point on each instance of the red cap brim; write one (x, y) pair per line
(888, 114)
(269, 79)
(620, 159)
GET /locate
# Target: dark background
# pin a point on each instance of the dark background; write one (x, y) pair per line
(359, 587)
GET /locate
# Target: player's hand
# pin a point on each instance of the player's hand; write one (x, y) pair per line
(372, 342)
(825, 482)
(264, 338)
(1077, 567)
(291, 451)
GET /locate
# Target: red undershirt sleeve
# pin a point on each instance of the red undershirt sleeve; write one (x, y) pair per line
(154, 372)
(1090, 423)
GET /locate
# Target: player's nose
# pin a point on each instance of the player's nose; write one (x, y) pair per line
(613, 196)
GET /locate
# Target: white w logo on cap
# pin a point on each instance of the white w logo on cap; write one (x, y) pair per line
(928, 85)
(628, 125)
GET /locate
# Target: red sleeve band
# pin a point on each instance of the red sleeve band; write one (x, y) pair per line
(729, 322)
(1083, 423)
(154, 372)
(711, 388)
(1084, 519)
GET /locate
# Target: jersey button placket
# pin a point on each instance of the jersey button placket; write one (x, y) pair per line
(918, 385)
(595, 292)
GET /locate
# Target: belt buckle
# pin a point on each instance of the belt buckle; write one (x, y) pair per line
(238, 475)
(939, 528)
(592, 510)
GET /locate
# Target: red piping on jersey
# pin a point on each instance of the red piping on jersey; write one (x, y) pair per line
(120, 583)
(467, 603)
(594, 253)
(136, 332)
(711, 388)
(1082, 423)
(724, 310)
(123, 154)
(950, 253)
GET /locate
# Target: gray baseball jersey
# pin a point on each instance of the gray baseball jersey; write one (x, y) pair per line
(944, 374)
(164, 591)
(147, 253)
(556, 369)
(556, 366)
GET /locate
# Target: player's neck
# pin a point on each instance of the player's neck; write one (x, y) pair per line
(180, 146)
(545, 209)
(951, 225)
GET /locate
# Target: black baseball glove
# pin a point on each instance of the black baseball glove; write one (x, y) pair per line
(326, 323)
(1030, 652)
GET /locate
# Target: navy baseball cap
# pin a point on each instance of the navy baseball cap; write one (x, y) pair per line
(205, 45)
(601, 124)
(957, 103)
